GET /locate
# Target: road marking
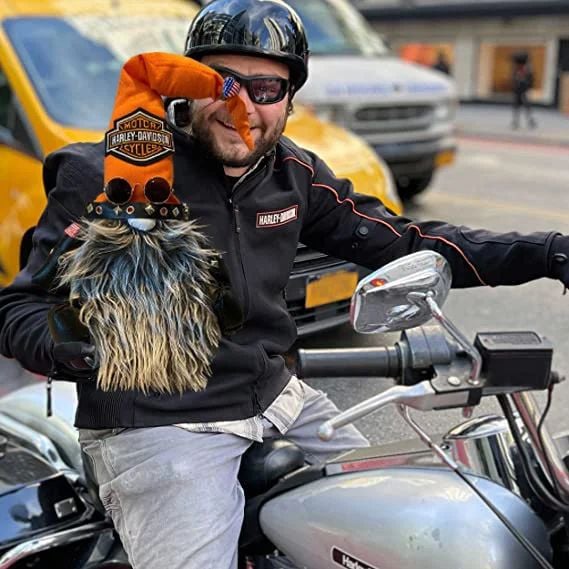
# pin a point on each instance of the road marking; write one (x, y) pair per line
(485, 203)
(514, 167)
(483, 160)
(545, 148)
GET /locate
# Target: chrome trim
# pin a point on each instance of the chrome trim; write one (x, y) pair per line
(66, 537)
(484, 446)
(65, 507)
(530, 415)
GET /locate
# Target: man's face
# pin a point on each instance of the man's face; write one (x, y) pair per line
(212, 124)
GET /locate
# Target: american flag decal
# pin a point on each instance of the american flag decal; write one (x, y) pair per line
(230, 88)
(72, 230)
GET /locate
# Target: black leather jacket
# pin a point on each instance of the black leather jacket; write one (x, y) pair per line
(290, 195)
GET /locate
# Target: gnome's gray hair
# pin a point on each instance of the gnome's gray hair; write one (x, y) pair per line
(146, 299)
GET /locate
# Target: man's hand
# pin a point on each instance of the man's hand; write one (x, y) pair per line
(73, 354)
(559, 259)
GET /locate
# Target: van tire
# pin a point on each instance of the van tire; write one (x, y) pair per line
(408, 188)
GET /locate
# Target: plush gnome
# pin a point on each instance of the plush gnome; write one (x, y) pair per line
(144, 276)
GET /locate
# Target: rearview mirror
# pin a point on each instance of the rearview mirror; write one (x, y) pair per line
(392, 298)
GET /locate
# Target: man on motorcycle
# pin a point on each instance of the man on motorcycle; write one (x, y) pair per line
(167, 464)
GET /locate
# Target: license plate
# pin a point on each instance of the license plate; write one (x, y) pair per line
(445, 157)
(330, 288)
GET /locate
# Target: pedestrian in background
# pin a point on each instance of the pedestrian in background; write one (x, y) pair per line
(522, 82)
(442, 63)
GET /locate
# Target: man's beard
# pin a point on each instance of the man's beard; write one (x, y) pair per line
(146, 299)
(202, 133)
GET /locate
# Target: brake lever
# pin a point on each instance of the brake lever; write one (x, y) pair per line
(421, 396)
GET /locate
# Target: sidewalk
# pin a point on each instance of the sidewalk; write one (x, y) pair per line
(494, 122)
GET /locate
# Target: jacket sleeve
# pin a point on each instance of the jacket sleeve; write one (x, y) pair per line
(71, 179)
(361, 229)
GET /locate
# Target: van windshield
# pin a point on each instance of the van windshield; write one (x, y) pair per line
(74, 63)
(334, 27)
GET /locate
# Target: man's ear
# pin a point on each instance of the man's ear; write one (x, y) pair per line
(290, 106)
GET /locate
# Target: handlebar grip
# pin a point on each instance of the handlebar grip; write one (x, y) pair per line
(350, 362)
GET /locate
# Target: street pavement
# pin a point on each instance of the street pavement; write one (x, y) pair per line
(494, 122)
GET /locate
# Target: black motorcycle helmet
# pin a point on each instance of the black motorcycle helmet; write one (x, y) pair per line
(269, 28)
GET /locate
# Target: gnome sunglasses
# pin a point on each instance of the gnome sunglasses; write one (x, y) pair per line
(262, 89)
(157, 190)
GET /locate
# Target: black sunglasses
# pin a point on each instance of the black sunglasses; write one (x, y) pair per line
(157, 191)
(262, 89)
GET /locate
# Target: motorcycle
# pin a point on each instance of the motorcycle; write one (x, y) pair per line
(492, 493)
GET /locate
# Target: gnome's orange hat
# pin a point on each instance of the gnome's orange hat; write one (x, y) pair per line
(139, 146)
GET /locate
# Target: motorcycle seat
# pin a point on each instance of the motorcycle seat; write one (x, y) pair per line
(264, 464)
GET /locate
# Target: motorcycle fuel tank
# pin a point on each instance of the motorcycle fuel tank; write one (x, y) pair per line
(401, 518)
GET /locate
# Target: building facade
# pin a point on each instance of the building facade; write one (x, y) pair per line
(478, 40)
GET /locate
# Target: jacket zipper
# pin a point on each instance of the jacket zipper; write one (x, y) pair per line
(244, 181)
(237, 228)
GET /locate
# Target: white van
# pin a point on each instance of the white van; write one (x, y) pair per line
(404, 111)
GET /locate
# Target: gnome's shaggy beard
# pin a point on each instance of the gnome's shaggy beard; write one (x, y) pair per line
(146, 299)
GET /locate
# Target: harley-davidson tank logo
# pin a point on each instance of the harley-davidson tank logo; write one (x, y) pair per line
(278, 217)
(345, 560)
(139, 138)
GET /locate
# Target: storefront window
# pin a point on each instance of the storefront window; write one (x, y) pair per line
(495, 69)
(435, 55)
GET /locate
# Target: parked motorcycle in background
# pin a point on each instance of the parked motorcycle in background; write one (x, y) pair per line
(492, 493)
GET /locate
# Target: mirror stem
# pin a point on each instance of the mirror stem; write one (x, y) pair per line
(472, 352)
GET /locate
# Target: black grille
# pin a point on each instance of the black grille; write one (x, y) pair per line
(304, 315)
(407, 112)
(309, 260)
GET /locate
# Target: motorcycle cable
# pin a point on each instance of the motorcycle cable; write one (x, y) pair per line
(536, 484)
(522, 539)
(546, 409)
(540, 436)
(519, 537)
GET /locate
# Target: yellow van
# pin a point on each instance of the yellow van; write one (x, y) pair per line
(59, 66)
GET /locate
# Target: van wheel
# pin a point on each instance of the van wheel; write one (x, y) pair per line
(408, 188)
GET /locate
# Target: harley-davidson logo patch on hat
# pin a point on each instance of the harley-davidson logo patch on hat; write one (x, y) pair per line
(139, 138)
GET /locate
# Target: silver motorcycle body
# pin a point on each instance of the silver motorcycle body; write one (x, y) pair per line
(399, 510)
(393, 506)
(452, 504)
